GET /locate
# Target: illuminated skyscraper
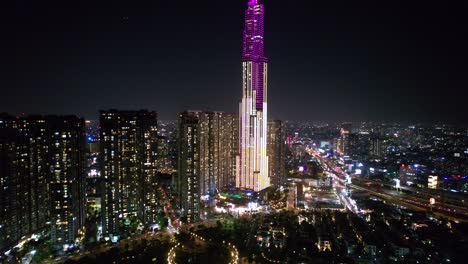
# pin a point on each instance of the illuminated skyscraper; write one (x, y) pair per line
(129, 164)
(207, 144)
(276, 152)
(42, 170)
(342, 146)
(23, 194)
(378, 146)
(252, 163)
(188, 180)
(67, 146)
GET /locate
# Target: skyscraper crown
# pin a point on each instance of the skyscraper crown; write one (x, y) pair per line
(253, 2)
(253, 46)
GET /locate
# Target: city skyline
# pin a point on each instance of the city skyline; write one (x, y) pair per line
(252, 185)
(357, 62)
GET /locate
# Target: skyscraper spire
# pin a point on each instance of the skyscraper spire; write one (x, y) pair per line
(253, 48)
(252, 163)
(253, 2)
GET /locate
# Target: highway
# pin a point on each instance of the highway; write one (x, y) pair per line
(415, 203)
(383, 191)
(345, 199)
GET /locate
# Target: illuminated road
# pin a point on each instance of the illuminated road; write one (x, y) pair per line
(171, 255)
(415, 198)
(414, 203)
(452, 212)
(269, 260)
(233, 252)
(388, 198)
(339, 183)
(344, 198)
(173, 221)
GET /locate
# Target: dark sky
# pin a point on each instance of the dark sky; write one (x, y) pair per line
(329, 60)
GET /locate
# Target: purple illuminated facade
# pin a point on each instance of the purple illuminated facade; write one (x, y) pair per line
(252, 163)
(253, 48)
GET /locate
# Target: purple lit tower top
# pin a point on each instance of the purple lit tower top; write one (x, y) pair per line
(253, 48)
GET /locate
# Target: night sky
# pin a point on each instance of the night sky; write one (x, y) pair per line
(329, 60)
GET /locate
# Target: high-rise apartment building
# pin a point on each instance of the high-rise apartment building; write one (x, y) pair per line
(377, 146)
(16, 210)
(66, 151)
(128, 142)
(276, 152)
(188, 180)
(42, 177)
(207, 147)
(252, 162)
(231, 143)
(164, 163)
(342, 145)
